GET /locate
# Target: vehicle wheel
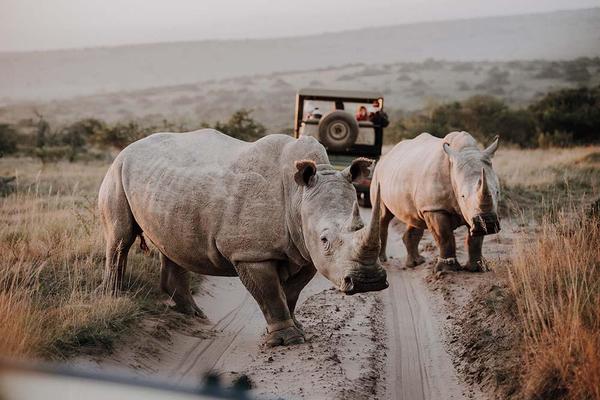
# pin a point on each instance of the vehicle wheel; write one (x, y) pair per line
(364, 199)
(338, 130)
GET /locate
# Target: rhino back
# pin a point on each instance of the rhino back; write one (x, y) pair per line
(415, 178)
(205, 199)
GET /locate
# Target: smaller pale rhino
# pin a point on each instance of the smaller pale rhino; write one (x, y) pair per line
(439, 184)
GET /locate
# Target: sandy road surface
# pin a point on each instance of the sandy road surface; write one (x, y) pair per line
(375, 345)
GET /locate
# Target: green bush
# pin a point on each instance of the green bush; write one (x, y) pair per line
(573, 111)
(241, 126)
(52, 153)
(482, 116)
(118, 136)
(8, 139)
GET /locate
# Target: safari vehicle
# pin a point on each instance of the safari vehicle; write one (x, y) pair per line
(329, 116)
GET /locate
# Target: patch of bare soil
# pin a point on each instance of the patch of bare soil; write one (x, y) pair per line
(481, 330)
(343, 357)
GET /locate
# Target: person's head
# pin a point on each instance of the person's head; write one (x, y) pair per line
(376, 104)
(362, 111)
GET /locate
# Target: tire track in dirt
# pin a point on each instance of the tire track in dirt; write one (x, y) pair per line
(375, 345)
(213, 349)
(418, 366)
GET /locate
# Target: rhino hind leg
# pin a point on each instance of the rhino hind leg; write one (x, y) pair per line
(476, 261)
(175, 282)
(119, 232)
(386, 218)
(411, 239)
(263, 282)
(441, 226)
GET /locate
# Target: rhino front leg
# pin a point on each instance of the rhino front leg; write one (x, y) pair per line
(474, 245)
(174, 281)
(292, 288)
(411, 239)
(262, 281)
(441, 226)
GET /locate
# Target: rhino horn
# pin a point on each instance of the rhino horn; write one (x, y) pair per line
(484, 190)
(369, 242)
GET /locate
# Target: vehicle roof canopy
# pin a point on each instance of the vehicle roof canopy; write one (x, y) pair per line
(338, 94)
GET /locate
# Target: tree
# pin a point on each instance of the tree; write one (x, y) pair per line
(241, 126)
(482, 116)
(77, 135)
(571, 111)
(8, 139)
(117, 136)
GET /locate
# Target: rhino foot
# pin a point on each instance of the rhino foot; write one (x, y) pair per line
(299, 325)
(190, 309)
(477, 266)
(413, 262)
(285, 337)
(446, 265)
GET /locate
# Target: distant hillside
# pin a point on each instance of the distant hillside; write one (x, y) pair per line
(406, 86)
(64, 74)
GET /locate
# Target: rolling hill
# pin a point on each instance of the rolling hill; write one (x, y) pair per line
(63, 74)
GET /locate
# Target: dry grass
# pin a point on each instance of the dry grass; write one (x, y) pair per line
(555, 279)
(52, 263)
(540, 167)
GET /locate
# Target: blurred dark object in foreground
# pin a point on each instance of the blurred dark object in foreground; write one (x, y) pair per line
(20, 380)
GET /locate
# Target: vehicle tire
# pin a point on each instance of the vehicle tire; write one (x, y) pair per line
(338, 130)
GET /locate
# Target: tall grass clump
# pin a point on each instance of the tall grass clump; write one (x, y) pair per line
(555, 279)
(52, 265)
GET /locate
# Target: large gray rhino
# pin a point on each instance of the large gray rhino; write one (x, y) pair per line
(272, 212)
(439, 184)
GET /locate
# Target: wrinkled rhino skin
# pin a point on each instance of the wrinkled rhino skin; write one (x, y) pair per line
(439, 184)
(272, 212)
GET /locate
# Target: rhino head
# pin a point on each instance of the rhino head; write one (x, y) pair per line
(341, 247)
(476, 187)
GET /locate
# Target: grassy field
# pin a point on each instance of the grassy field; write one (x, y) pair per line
(52, 264)
(554, 276)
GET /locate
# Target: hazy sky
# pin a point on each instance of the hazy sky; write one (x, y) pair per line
(52, 24)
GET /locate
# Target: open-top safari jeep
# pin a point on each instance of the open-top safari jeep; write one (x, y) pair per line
(329, 116)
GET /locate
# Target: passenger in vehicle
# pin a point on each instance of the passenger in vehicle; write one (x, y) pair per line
(362, 114)
(378, 117)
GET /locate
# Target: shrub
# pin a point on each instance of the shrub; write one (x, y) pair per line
(482, 116)
(118, 136)
(77, 135)
(8, 139)
(52, 153)
(241, 126)
(573, 111)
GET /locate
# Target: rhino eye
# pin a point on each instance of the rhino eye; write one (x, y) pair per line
(325, 241)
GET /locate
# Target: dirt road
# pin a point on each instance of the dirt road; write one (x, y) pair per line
(375, 345)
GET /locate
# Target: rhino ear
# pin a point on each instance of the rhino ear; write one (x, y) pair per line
(358, 169)
(451, 153)
(306, 170)
(492, 147)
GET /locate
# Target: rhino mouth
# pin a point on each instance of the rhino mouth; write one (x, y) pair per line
(485, 224)
(359, 283)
